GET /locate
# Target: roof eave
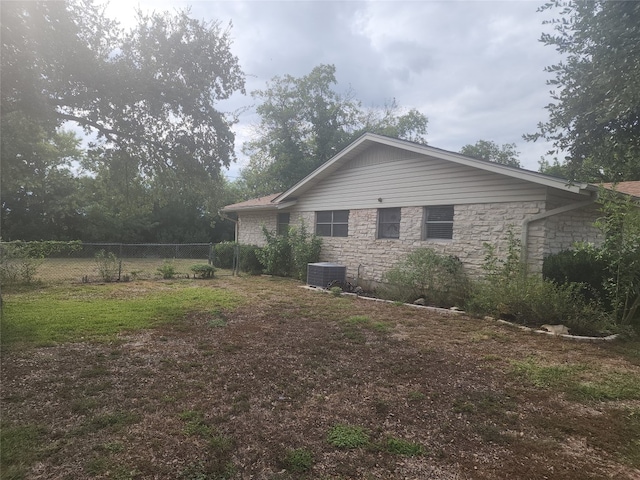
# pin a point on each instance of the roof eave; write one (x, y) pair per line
(250, 208)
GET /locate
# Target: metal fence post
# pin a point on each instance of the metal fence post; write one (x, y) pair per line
(236, 259)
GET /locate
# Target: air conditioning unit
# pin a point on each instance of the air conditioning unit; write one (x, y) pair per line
(322, 273)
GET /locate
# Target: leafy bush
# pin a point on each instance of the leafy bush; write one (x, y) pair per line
(305, 249)
(275, 256)
(249, 259)
(167, 270)
(108, 266)
(223, 254)
(577, 266)
(288, 255)
(18, 265)
(620, 251)
(203, 270)
(509, 292)
(45, 248)
(440, 279)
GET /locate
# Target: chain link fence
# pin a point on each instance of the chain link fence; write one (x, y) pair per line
(65, 262)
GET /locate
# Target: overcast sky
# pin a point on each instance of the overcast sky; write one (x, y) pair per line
(475, 68)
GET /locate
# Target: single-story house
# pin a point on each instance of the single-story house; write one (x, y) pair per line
(380, 198)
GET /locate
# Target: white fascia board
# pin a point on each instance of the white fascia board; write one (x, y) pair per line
(250, 208)
(288, 204)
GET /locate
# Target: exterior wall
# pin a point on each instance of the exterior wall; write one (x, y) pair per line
(250, 227)
(368, 258)
(402, 179)
(486, 206)
(564, 230)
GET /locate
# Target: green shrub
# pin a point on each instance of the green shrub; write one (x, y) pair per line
(288, 255)
(223, 254)
(620, 250)
(108, 266)
(167, 270)
(577, 266)
(509, 292)
(275, 256)
(305, 249)
(249, 259)
(203, 271)
(16, 269)
(440, 279)
(45, 248)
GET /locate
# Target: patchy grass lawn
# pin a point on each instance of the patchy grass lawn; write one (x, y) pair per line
(254, 377)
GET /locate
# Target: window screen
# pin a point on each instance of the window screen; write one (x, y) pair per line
(439, 222)
(389, 223)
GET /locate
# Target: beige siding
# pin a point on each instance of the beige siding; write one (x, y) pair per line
(402, 179)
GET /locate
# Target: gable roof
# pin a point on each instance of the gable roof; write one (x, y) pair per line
(369, 140)
(278, 201)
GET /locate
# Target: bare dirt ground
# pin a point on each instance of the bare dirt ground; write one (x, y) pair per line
(232, 394)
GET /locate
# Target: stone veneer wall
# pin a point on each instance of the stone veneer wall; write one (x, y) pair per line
(368, 258)
(564, 230)
(250, 227)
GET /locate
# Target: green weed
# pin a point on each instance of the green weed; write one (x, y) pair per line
(358, 320)
(347, 436)
(607, 387)
(398, 446)
(546, 376)
(111, 421)
(298, 460)
(579, 382)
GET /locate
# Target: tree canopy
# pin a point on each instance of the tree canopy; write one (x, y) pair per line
(145, 99)
(595, 110)
(305, 121)
(149, 93)
(492, 152)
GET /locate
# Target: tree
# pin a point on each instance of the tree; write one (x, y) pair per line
(304, 122)
(595, 110)
(38, 192)
(148, 94)
(491, 152)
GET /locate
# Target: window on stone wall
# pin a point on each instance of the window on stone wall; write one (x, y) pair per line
(282, 225)
(389, 223)
(332, 223)
(438, 222)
